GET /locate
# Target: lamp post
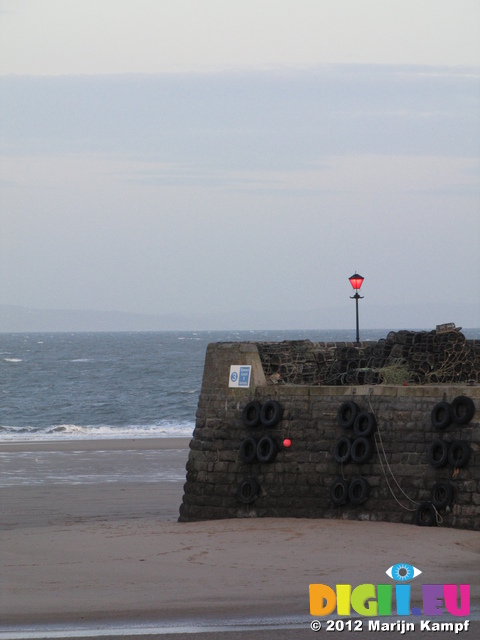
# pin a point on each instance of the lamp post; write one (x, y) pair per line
(356, 281)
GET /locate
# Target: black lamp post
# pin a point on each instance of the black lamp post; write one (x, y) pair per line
(356, 281)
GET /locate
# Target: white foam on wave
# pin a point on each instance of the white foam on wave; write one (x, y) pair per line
(163, 429)
(13, 360)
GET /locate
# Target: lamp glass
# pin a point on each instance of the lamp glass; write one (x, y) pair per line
(356, 281)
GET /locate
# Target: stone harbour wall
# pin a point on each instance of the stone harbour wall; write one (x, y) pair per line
(397, 462)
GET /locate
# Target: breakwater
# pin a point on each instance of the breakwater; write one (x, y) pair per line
(277, 436)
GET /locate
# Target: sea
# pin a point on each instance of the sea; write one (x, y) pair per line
(64, 386)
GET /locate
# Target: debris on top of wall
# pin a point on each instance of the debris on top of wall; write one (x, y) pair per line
(403, 357)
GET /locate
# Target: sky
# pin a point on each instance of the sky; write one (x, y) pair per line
(241, 159)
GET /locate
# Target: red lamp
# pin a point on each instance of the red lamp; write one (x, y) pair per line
(356, 281)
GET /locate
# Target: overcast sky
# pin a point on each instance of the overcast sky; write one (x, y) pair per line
(224, 156)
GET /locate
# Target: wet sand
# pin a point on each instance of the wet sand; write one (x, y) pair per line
(113, 553)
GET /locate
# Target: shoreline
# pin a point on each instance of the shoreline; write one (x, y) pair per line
(96, 444)
(113, 552)
(258, 628)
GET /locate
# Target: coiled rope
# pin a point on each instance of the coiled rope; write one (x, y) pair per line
(381, 452)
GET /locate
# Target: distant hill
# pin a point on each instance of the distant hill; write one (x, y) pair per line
(22, 319)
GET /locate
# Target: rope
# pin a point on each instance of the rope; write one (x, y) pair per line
(438, 517)
(379, 443)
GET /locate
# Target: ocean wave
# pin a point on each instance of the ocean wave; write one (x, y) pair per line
(13, 360)
(163, 429)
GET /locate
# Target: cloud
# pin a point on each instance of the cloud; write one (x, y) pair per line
(246, 120)
(225, 192)
(118, 36)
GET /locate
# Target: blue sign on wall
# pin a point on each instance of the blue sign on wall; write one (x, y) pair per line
(240, 376)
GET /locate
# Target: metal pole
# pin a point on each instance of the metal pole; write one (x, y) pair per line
(357, 297)
(358, 331)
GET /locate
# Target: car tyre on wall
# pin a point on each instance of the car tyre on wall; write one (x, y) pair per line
(339, 492)
(342, 450)
(358, 490)
(437, 453)
(365, 424)
(462, 410)
(251, 414)
(248, 490)
(459, 454)
(346, 414)
(362, 450)
(441, 495)
(248, 450)
(271, 413)
(426, 515)
(267, 449)
(441, 416)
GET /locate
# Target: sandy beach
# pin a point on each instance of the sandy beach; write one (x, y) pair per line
(111, 553)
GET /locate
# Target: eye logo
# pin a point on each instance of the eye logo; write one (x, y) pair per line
(403, 572)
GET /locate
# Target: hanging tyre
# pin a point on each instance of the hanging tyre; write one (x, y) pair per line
(342, 450)
(462, 410)
(248, 450)
(339, 492)
(267, 449)
(362, 450)
(441, 416)
(248, 490)
(358, 490)
(365, 424)
(459, 454)
(426, 515)
(441, 495)
(437, 453)
(271, 413)
(251, 414)
(346, 414)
